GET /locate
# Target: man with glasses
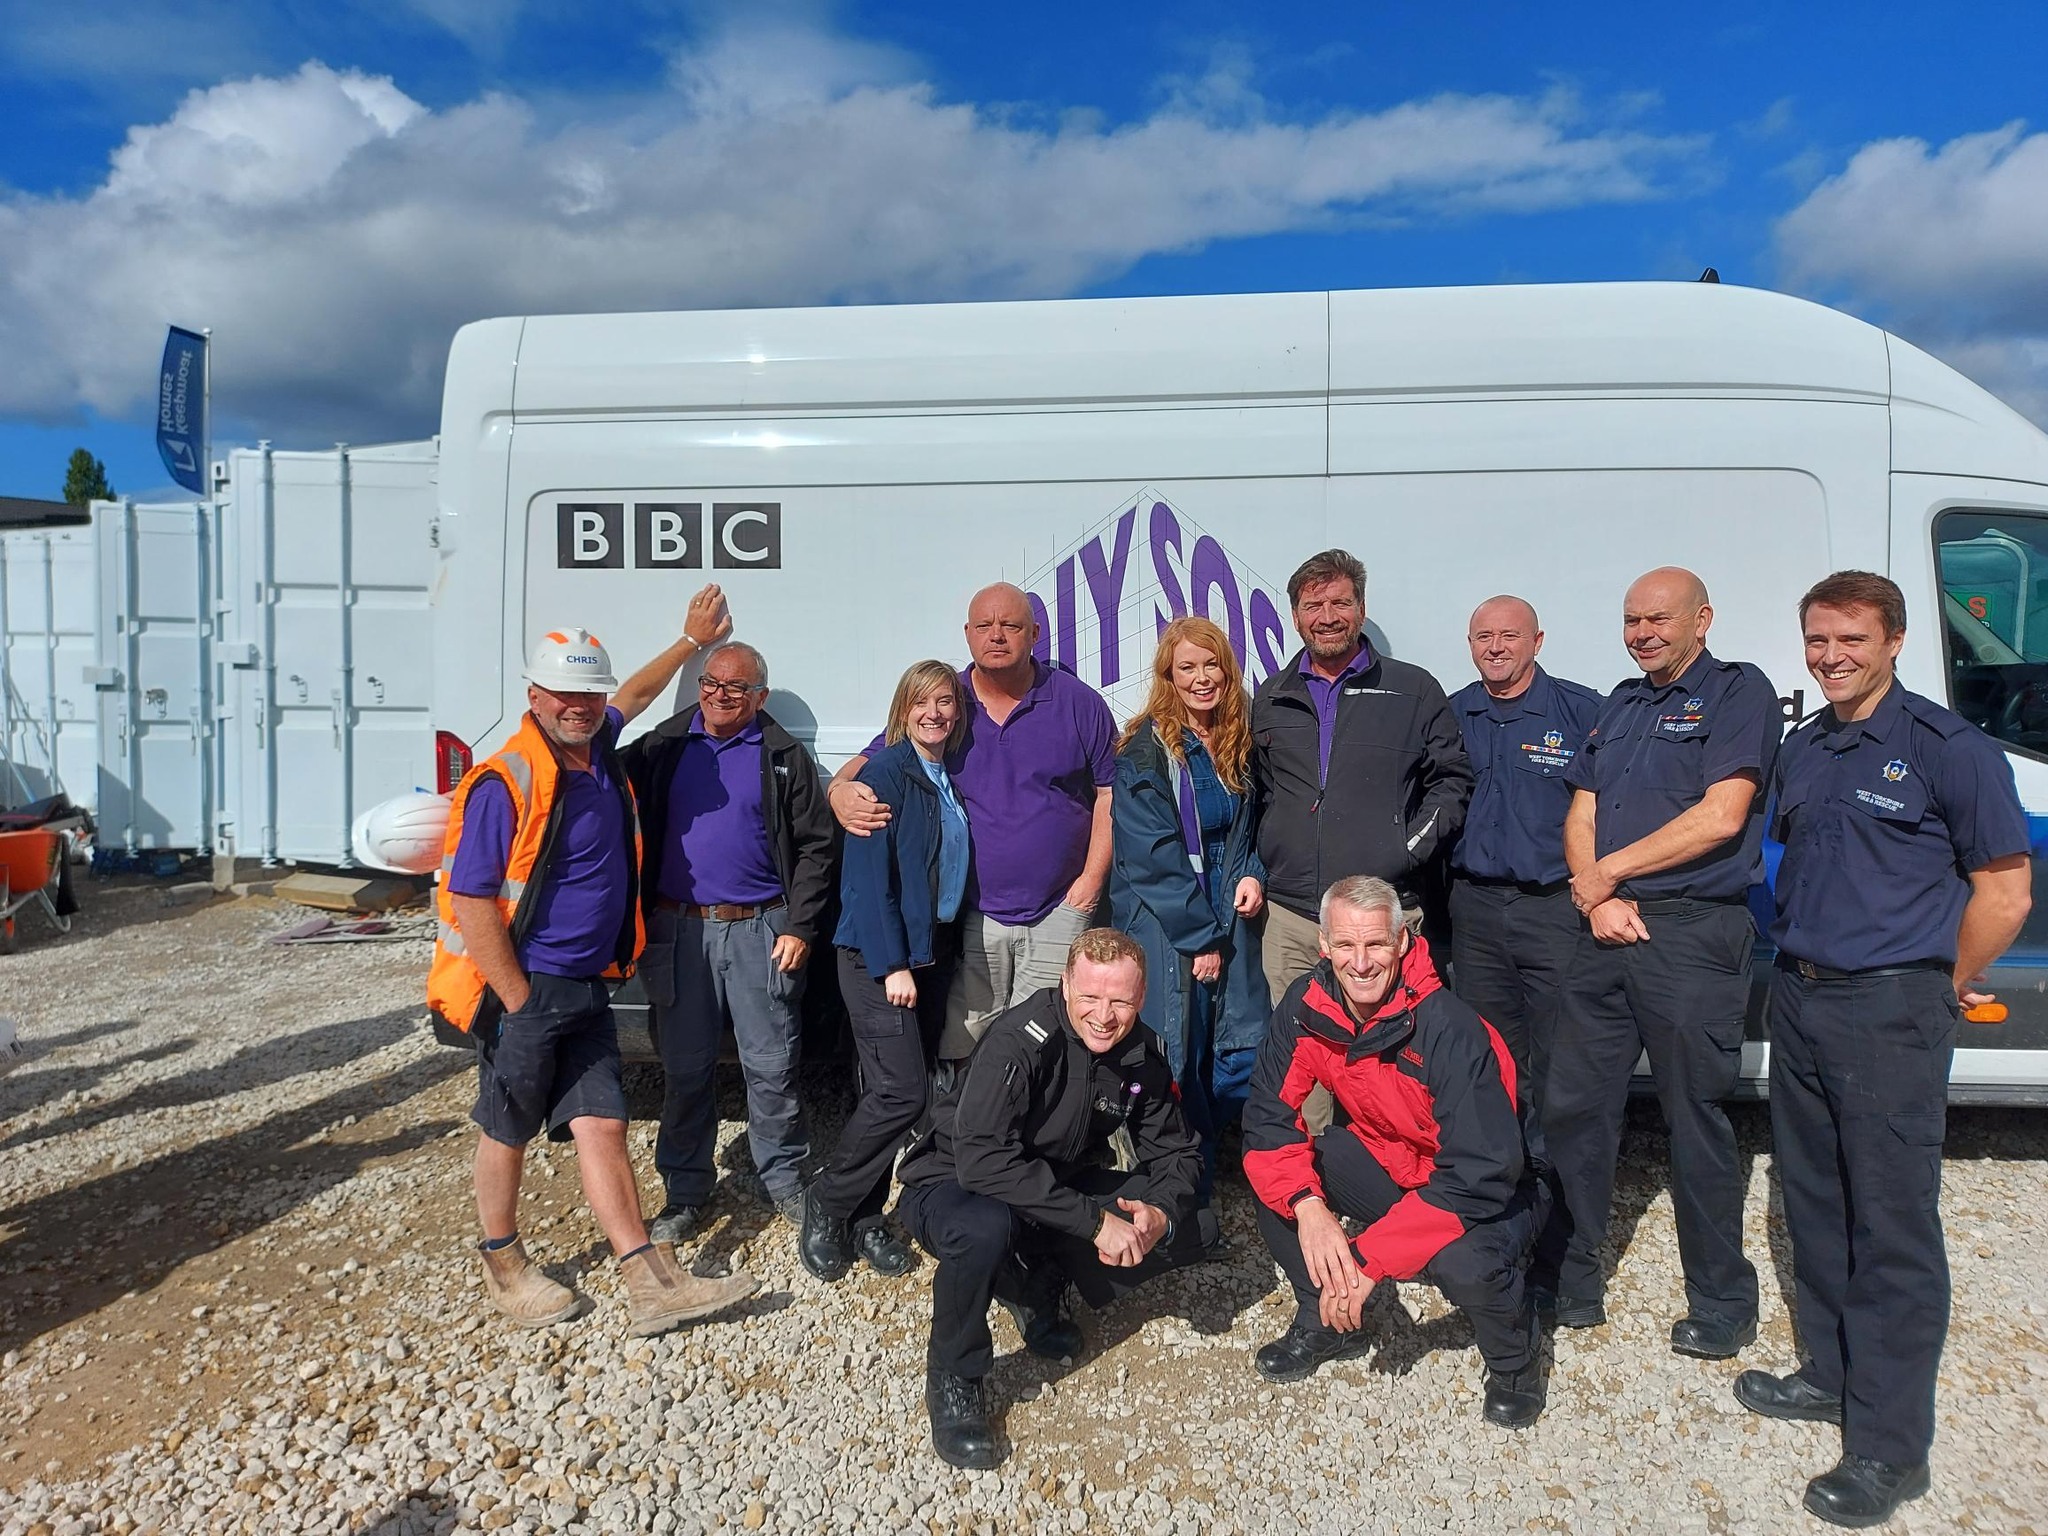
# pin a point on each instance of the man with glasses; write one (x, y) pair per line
(740, 855)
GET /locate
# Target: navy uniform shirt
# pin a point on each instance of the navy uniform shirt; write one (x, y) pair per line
(1653, 752)
(1520, 749)
(1882, 821)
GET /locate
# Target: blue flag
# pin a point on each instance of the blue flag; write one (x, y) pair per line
(181, 409)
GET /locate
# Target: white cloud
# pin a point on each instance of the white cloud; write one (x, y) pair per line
(336, 232)
(1949, 246)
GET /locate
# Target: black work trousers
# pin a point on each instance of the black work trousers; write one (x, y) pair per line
(1680, 995)
(1510, 951)
(892, 1059)
(1859, 1103)
(976, 1238)
(1480, 1272)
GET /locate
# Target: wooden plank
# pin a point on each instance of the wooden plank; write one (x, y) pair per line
(349, 893)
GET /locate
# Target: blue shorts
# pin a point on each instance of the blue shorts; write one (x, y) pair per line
(553, 1060)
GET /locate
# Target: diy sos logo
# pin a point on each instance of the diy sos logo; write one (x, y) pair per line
(1101, 604)
(668, 536)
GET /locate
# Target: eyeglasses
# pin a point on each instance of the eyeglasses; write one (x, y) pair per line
(711, 685)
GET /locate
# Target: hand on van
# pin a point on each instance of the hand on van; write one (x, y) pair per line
(1251, 897)
(708, 621)
(1616, 921)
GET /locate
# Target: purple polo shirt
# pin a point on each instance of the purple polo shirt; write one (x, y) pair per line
(1323, 692)
(582, 900)
(1029, 787)
(717, 835)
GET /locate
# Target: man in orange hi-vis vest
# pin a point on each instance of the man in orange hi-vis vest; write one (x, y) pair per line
(538, 904)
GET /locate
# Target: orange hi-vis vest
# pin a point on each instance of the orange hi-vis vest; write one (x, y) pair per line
(531, 768)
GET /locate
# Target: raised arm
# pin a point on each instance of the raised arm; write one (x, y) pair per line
(705, 623)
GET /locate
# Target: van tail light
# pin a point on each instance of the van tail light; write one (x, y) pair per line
(1986, 1013)
(451, 761)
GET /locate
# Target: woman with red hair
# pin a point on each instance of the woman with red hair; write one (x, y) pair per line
(1185, 880)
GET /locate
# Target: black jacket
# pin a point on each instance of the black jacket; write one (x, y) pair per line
(1033, 1105)
(1398, 784)
(801, 832)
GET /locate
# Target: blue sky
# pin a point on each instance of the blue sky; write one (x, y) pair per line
(335, 185)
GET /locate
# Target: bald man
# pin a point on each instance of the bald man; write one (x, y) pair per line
(1034, 773)
(1664, 839)
(1513, 926)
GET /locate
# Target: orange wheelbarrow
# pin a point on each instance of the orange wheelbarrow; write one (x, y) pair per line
(32, 870)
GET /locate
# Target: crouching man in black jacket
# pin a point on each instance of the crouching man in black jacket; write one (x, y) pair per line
(1057, 1154)
(1440, 1158)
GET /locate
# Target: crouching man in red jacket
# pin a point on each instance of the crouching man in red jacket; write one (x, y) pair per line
(1433, 1150)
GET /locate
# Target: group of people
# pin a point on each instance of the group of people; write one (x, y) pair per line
(1263, 881)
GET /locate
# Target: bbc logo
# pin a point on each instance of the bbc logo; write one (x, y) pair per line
(668, 536)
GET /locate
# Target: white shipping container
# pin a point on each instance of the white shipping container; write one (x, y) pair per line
(49, 714)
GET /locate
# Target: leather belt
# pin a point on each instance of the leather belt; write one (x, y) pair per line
(1812, 972)
(1522, 887)
(719, 911)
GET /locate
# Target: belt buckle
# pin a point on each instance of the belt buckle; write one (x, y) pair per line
(1807, 969)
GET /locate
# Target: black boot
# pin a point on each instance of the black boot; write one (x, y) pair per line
(960, 1429)
(885, 1252)
(823, 1244)
(1306, 1348)
(1859, 1492)
(1514, 1399)
(1037, 1304)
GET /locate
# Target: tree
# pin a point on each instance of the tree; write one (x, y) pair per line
(85, 480)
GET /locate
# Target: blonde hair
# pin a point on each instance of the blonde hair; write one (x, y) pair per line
(920, 680)
(1230, 735)
(1105, 946)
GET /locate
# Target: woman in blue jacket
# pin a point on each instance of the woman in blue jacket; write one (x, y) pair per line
(1185, 880)
(900, 891)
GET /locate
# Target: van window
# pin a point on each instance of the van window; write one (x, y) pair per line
(1994, 608)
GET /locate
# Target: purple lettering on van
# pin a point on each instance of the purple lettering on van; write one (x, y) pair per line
(1164, 537)
(1209, 568)
(1065, 649)
(1269, 635)
(1106, 589)
(1042, 646)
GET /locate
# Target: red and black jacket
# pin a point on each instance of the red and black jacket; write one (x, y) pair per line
(1427, 1085)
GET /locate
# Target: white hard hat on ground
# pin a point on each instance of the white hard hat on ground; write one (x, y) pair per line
(571, 661)
(404, 834)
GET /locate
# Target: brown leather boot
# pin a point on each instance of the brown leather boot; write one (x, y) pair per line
(661, 1294)
(522, 1292)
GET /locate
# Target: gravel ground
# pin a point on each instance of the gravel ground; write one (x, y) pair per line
(236, 1294)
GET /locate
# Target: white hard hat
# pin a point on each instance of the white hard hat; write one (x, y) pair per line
(571, 661)
(404, 835)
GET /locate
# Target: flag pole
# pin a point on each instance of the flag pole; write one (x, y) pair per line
(206, 408)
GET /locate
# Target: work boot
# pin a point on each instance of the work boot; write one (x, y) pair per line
(1306, 1348)
(1711, 1338)
(1514, 1399)
(661, 1294)
(885, 1252)
(823, 1244)
(1859, 1493)
(960, 1428)
(522, 1292)
(1787, 1397)
(1037, 1304)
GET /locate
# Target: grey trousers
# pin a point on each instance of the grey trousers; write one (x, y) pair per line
(715, 970)
(1000, 965)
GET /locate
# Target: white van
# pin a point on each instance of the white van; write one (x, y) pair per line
(851, 475)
